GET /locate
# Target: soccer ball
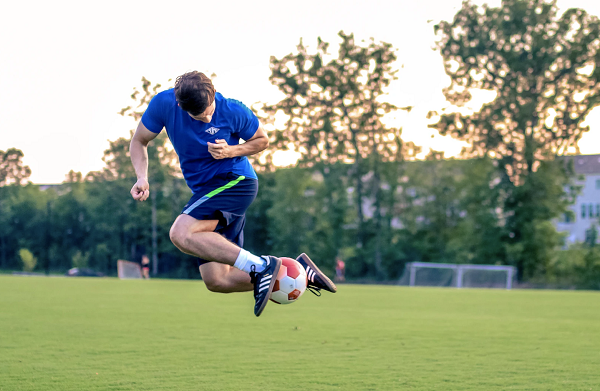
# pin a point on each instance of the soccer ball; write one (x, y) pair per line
(291, 282)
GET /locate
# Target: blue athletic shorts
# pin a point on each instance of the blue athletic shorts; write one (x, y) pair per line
(225, 198)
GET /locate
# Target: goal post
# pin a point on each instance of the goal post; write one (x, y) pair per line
(458, 275)
(129, 270)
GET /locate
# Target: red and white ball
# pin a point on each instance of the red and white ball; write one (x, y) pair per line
(291, 282)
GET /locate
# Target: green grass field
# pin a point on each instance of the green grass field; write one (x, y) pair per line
(106, 334)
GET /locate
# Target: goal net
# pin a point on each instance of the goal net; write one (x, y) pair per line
(459, 276)
(128, 270)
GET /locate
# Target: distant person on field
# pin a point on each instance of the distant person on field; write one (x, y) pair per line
(205, 129)
(340, 269)
(145, 266)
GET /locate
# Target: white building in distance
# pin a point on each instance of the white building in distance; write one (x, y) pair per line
(587, 205)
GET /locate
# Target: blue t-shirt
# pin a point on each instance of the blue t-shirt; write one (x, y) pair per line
(231, 122)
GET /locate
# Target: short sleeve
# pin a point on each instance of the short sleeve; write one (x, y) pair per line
(245, 122)
(154, 119)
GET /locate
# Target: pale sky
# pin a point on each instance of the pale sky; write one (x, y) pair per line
(68, 67)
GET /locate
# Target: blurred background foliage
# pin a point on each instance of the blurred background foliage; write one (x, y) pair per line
(357, 190)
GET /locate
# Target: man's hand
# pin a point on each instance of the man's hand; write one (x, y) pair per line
(141, 190)
(220, 149)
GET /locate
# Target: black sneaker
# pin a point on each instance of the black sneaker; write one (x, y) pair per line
(317, 280)
(264, 282)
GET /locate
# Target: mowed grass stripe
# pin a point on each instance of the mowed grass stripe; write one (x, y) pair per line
(107, 334)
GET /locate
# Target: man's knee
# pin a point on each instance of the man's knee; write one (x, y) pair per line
(178, 235)
(182, 229)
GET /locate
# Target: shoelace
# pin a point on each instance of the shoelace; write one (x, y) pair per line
(314, 290)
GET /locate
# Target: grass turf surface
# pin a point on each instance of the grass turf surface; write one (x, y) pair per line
(106, 334)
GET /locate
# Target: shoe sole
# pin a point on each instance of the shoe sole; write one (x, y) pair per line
(330, 285)
(271, 285)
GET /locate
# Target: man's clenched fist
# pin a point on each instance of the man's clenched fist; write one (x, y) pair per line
(141, 190)
(219, 149)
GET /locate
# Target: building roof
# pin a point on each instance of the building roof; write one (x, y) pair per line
(43, 186)
(585, 164)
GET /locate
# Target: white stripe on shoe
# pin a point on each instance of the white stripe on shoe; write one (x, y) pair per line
(311, 274)
(264, 284)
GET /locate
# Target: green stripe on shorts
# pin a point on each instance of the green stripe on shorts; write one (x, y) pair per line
(214, 193)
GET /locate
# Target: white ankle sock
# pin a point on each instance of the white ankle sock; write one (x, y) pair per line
(246, 260)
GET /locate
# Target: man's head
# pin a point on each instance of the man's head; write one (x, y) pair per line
(195, 94)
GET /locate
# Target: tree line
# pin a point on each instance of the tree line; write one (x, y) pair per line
(357, 190)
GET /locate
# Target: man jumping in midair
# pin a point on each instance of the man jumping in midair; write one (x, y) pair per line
(205, 129)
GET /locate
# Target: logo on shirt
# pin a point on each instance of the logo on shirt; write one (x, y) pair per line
(212, 130)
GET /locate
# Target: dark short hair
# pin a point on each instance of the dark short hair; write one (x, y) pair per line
(194, 92)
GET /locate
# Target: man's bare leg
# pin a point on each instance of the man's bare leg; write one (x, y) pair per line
(224, 278)
(197, 238)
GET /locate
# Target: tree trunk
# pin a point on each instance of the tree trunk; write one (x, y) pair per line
(359, 191)
(378, 225)
(359, 201)
(48, 236)
(2, 252)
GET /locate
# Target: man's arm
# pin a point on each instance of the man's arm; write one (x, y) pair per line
(138, 151)
(259, 142)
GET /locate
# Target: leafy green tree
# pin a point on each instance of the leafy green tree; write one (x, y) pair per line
(80, 259)
(12, 169)
(480, 235)
(334, 111)
(28, 260)
(433, 192)
(446, 212)
(577, 266)
(544, 71)
(292, 214)
(22, 223)
(73, 177)
(529, 209)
